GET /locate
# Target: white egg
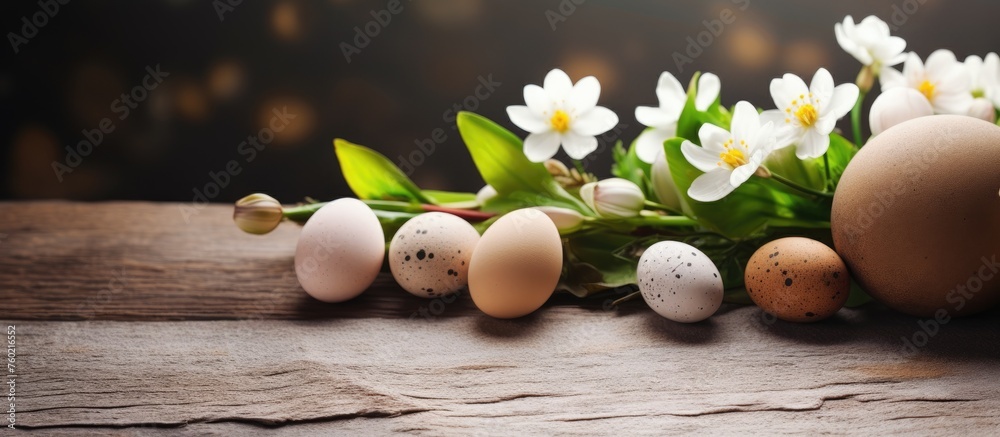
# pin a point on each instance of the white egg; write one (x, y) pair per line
(340, 251)
(679, 282)
(429, 255)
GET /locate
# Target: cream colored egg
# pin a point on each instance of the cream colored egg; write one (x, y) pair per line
(679, 282)
(340, 251)
(429, 255)
(516, 265)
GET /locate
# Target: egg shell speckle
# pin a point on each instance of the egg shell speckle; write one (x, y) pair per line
(429, 255)
(679, 282)
(797, 279)
(340, 251)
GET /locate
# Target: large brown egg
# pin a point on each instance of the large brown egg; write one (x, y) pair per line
(916, 216)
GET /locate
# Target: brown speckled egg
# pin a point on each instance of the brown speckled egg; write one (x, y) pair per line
(797, 279)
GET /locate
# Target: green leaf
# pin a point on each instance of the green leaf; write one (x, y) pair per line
(452, 199)
(627, 165)
(595, 262)
(500, 159)
(839, 155)
(692, 119)
(373, 176)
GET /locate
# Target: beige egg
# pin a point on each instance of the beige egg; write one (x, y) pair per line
(429, 255)
(797, 279)
(917, 217)
(516, 265)
(340, 251)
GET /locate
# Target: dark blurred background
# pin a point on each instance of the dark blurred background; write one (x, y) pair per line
(229, 66)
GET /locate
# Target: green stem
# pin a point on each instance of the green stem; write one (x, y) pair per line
(301, 213)
(856, 118)
(661, 207)
(798, 187)
(826, 166)
(579, 167)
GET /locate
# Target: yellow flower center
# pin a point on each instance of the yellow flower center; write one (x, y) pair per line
(806, 114)
(927, 89)
(733, 156)
(803, 109)
(560, 121)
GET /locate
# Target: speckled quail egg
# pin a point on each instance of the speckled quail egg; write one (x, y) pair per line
(679, 282)
(429, 255)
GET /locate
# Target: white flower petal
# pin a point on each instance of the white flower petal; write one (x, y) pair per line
(670, 92)
(524, 118)
(743, 173)
(649, 144)
(913, 70)
(713, 136)
(558, 85)
(595, 121)
(813, 145)
(746, 122)
(584, 95)
(539, 147)
(703, 159)
(890, 52)
(821, 86)
(656, 117)
(578, 146)
(711, 186)
(709, 87)
(940, 63)
(785, 132)
(765, 139)
(538, 100)
(845, 96)
(891, 78)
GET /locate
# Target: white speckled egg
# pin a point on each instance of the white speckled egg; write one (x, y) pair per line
(340, 251)
(429, 255)
(679, 282)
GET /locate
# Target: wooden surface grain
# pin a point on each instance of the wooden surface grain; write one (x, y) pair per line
(132, 321)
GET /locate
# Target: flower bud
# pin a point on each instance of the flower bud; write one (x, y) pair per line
(566, 220)
(613, 198)
(556, 168)
(897, 105)
(983, 109)
(663, 183)
(257, 214)
(485, 194)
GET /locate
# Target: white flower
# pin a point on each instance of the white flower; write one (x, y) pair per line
(870, 42)
(806, 116)
(565, 219)
(729, 159)
(942, 80)
(984, 81)
(895, 106)
(562, 114)
(662, 121)
(983, 109)
(613, 198)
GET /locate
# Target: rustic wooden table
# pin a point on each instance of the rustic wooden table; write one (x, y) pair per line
(131, 319)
